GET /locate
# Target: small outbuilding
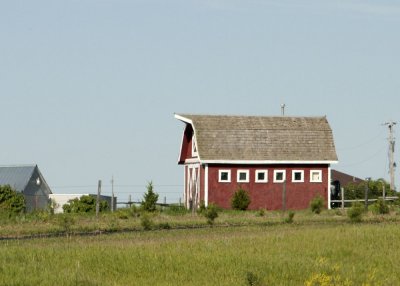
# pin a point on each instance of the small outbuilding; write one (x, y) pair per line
(30, 182)
(278, 160)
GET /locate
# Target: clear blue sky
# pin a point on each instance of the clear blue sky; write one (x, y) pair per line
(88, 88)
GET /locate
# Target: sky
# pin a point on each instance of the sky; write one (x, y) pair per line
(89, 88)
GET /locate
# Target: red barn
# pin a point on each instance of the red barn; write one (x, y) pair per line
(260, 154)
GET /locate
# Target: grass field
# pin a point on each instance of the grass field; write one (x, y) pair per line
(323, 251)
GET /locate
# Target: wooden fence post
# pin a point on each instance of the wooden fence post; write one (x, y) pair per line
(342, 196)
(366, 193)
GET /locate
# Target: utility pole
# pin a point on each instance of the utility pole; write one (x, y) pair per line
(98, 199)
(112, 194)
(283, 109)
(392, 164)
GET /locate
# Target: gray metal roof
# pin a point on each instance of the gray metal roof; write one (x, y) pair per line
(16, 176)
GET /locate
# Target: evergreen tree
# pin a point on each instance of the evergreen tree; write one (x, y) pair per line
(150, 199)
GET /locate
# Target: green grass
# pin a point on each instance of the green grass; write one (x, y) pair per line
(278, 254)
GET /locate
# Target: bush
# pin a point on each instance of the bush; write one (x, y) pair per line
(150, 199)
(66, 221)
(260, 212)
(146, 222)
(290, 217)
(252, 279)
(355, 212)
(211, 213)
(380, 207)
(317, 204)
(11, 201)
(202, 207)
(240, 200)
(84, 204)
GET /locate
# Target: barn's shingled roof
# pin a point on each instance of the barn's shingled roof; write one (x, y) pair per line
(262, 138)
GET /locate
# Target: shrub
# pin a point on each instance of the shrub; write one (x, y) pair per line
(202, 208)
(164, 225)
(260, 212)
(150, 199)
(240, 200)
(290, 217)
(252, 279)
(66, 221)
(84, 204)
(380, 207)
(146, 222)
(355, 212)
(317, 204)
(211, 213)
(11, 201)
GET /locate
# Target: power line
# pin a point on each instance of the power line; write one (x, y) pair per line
(369, 141)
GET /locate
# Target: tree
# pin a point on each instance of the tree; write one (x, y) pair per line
(84, 204)
(150, 199)
(357, 191)
(11, 201)
(240, 200)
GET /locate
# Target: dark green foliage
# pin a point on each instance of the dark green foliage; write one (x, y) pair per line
(252, 279)
(380, 207)
(164, 225)
(240, 200)
(66, 221)
(202, 208)
(211, 213)
(11, 201)
(317, 204)
(355, 212)
(84, 204)
(176, 210)
(289, 218)
(150, 199)
(260, 212)
(375, 190)
(146, 222)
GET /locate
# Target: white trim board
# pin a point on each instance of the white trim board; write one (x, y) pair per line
(266, 162)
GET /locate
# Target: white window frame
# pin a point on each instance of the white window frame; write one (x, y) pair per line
(320, 176)
(220, 173)
(302, 176)
(265, 172)
(284, 176)
(243, 172)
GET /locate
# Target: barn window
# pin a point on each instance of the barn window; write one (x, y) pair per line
(261, 176)
(279, 176)
(224, 176)
(297, 176)
(243, 176)
(315, 176)
(194, 147)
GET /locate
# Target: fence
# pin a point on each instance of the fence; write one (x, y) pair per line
(366, 200)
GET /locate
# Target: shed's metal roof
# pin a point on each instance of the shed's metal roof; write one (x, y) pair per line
(16, 176)
(262, 138)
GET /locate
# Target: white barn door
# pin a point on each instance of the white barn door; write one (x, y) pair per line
(193, 186)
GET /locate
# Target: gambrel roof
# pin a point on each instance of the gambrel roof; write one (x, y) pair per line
(221, 139)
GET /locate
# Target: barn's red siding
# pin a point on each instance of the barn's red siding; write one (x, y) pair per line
(267, 195)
